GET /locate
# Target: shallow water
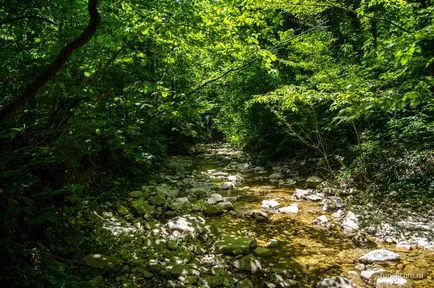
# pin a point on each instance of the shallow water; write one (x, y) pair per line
(308, 251)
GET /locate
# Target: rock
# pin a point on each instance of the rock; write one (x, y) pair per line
(379, 255)
(321, 220)
(290, 182)
(338, 214)
(142, 207)
(243, 167)
(180, 203)
(393, 281)
(314, 197)
(245, 283)
(225, 206)
(403, 247)
(166, 190)
(276, 176)
(313, 181)
(291, 209)
(267, 204)
(258, 215)
(332, 203)
(248, 263)
(369, 276)
(186, 224)
(146, 274)
(350, 222)
(235, 245)
(263, 252)
(352, 274)
(123, 210)
(136, 194)
(258, 169)
(213, 210)
(301, 193)
(214, 198)
(335, 282)
(102, 261)
(360, 267)
(232, 178)
(273, 243)
(226, 186)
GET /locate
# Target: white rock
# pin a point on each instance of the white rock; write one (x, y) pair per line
(321, 220)
(243, 167)
(338, 214)
(314, 197)
(350, 222)
(379, 255)
(367, 275)
(214, 198)
(232, 178)
(360, 267)
(301, 193)
(186, 224)
(393, 281)
(291, 209)
(335, 282)
(266, 204)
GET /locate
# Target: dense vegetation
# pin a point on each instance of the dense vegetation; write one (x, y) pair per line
(96, 93)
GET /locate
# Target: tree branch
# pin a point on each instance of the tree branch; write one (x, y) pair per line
(44, 76)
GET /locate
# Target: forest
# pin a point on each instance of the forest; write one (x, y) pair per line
(182, 143)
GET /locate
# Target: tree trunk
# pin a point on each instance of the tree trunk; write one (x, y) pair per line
(44, 76)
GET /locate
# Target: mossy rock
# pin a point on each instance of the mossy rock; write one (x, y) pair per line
(235, 245)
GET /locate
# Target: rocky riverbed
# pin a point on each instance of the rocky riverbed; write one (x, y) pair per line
(217, 220)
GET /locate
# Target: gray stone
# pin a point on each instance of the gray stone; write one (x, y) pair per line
(321, 220)
(369, 276)
(301, 193)
(258, 215)
(225, 206)
(214, 198)
(275, 176)
(335, 282)
(314, 197)
(338, 214)
(248, 263)
(332, 203)
(379, 255)
(213, 210)
(226, 186)
(235, 245)
(243, 167)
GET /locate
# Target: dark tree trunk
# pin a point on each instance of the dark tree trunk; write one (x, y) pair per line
(44, 76)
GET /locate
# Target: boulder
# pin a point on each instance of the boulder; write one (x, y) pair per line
(335, 282)
(235, 245)
(301, 193)
(338, 214)
(248, 263)
(213, 210)
(276, 176)
(332, 203)
(243, 167)
(321, 220)
(314, 197)
(379, 255)
(291, 209)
